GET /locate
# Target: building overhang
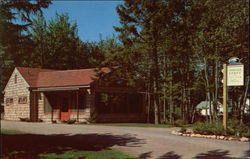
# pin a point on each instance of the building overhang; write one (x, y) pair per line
(66, 88)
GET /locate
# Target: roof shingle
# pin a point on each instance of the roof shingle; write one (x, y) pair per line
(53, 78)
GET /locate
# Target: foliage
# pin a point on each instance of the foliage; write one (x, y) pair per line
(207, 128)
(179, 123)
(216, 128)
(172, 51)
(40, 120)
(69, 121)
(25, 119)
(189, 39)
(183, 130)
(6, 131)
(237, 129)
(15, 18)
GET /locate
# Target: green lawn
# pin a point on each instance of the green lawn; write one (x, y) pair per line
(103, 154)
(135, 125)
(23, 145)
(5, 131)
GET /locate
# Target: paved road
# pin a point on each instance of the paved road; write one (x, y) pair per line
(146, 143)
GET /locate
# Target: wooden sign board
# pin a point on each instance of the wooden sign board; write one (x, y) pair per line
(235, 75)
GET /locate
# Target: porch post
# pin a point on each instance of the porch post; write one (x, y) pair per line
(35, 115)
(52, 111)
(34, 107)
(77, 105)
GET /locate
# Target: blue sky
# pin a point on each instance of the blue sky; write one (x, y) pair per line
(92, 17)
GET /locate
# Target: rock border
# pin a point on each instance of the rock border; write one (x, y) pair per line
(218, 137)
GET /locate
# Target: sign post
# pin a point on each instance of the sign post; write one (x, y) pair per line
(233, 75)
(225, 96)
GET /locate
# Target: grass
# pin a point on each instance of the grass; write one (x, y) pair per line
(23, 145)
(103, 154)
(134, 125)
(11, 132)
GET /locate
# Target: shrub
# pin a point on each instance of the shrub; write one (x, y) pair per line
(183, 130)
(179, 123)
(40, 120)
(24, 119)
(237, 129)
(216, 128)
(93, 117)
(202, 128)
(70, 121)
(64, 121)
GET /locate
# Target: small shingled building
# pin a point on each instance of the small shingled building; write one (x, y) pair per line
(58, 95)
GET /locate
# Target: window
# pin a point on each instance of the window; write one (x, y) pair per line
(22, 100)
(9, 101)
(15, 79)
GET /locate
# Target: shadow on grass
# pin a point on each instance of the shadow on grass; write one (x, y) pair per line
(30, 146)
(218, 154)
(170, 155)
(214, 154)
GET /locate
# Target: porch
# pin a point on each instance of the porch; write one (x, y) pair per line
(101, 105)
(119, 105)
(59, 105)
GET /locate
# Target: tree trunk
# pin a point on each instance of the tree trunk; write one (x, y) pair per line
(149, 102)
(207, 88)
(171, 98)
(244, 101)
(156, 109)
(164, 90)
(216, 89)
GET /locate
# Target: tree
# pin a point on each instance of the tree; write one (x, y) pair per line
(146, 32)
(14, 21)
(57, 44)
(218, 36)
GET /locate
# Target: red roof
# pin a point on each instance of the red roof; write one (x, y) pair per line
(53, 78)
(31, 74)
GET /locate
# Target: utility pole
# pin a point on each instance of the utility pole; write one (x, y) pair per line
(225, 96)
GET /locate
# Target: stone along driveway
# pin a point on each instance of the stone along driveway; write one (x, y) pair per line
(145, 143)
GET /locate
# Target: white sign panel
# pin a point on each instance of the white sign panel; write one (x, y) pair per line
(235, 75)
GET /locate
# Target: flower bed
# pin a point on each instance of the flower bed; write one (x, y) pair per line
(218, 137)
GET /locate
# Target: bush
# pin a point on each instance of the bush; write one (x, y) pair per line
(237, 129)
(40, 120)
(216, 128)
(93, 117)
(24, 119)
(179, 123)
(70, 121)
(183, 130)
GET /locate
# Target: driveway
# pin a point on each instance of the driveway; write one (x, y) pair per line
(146, 143)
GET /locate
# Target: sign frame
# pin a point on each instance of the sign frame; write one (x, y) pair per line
(235, 75)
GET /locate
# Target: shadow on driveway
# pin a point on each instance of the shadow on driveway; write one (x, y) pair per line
(214, 154)
(29, 146)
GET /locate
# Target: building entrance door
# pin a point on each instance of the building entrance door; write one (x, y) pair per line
(64, 107)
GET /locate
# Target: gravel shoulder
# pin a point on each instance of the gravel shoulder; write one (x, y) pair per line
(146, 143)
